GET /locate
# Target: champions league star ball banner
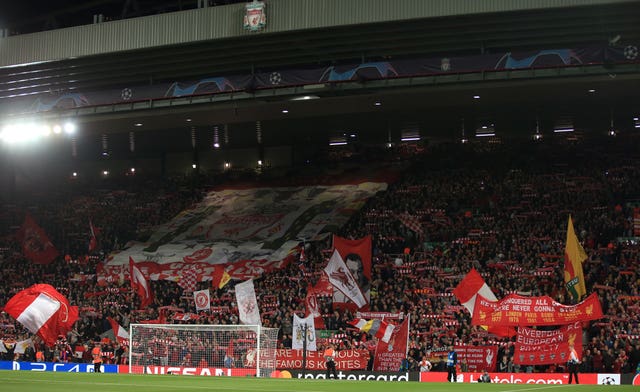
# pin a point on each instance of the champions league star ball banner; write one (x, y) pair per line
(535, 347)
(517, 310)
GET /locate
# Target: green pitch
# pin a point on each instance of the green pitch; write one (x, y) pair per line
(80, 382)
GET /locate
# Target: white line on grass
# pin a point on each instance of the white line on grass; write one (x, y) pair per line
(97, 383)
(536, 389)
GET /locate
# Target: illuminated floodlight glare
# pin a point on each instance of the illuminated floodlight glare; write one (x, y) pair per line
(69, 128)
(74, 174)
(259, 162)
(19, 133)
(105, 172)
(57, 129)
(132, 170)
(216, 145)
(193, 165)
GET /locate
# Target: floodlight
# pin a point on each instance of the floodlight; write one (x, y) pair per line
(69, 127)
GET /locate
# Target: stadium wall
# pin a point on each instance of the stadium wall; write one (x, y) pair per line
(178, 28)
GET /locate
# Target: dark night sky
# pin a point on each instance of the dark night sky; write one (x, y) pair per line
(14, 11)
(25, 16)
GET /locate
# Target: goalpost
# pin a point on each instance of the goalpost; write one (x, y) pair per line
(201, 349)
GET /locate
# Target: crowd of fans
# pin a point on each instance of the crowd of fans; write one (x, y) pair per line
(502, 209)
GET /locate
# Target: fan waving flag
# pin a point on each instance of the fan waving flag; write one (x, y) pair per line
(121, 334)
(43, 311)
(469, 287)
(378, 328)
(574, 255)
(342, 279)
(140, 284)
(35, 243)
(220, 277)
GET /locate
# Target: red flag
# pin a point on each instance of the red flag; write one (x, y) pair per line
(93, 240)
(140, 284)
(469, 287)
(389, 354)
(189, 279)
(376, 327)
(43, 311)
(356, 255)
(121, 334)
(35, 244)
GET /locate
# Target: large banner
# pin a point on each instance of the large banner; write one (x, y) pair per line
(478, 358)
(357, 257)
(256, 227)
(517, 310)
(536, 347)
(344, 282)
(388, 356)
(345, 359)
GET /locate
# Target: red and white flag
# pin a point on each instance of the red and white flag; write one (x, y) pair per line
(202, 300)
(375, 327)
(389, 353)
(140, 284)
(342, 279)
(43, 311)
(247, 303)
(412, 222)
(121, 334)
(36, 245)
(469, 287)
(188, 279)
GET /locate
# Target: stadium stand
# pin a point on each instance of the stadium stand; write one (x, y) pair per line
(497, 204)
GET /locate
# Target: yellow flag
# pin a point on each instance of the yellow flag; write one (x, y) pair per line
(574, 255)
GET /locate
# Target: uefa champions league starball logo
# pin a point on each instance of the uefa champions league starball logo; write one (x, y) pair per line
(631, 52)
(126, 94)
(275, 78)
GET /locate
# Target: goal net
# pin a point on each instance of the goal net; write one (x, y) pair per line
(215, 350)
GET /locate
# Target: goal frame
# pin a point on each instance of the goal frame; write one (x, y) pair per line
(265, 347)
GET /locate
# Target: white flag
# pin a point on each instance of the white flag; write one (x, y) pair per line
(202, 300)
(342, 279)
(21, 346)
(300, 325)
(247, 304)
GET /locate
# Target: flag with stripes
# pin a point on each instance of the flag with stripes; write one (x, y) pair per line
(412, 222)
(375, 327)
